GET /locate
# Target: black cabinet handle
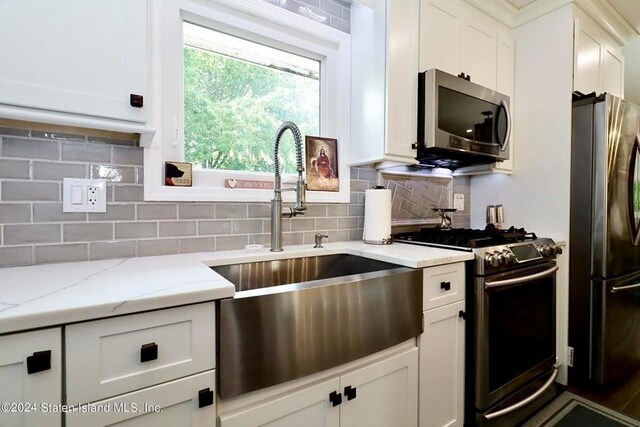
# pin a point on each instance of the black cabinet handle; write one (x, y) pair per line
(335, 398)
(350, 392)
(462, 314)
(39, 361)
(148, 352)
(136, 100)
(445, 285)
(205, 397)
(465, 76)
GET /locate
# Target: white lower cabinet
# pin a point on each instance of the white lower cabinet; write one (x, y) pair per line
(187, 402)
(381, 394)
(442, 347)
(442, 367)
(31, 379)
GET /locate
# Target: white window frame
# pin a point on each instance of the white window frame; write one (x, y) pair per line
(257, 21)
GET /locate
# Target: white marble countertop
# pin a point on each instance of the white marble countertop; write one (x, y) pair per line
(55, 294)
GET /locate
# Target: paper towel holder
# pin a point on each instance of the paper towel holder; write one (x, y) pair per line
(382, 240)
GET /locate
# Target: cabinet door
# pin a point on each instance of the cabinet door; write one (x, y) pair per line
(76, 56)
(439, 32)
(612, 71)
(403, 26)
(587, 57)
(309, 407)
(20, 387)
(478, 50)
(442, 367)
(176, 403)
(383, 394)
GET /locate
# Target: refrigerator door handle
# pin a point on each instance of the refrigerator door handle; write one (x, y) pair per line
(518, 280)
(615, 289)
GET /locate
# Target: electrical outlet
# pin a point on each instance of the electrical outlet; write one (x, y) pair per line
(458, 201)
(84, 195)
(570, 357)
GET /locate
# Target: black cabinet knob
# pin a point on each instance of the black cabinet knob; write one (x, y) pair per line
(350, 392)
(445, 285)
(136, 100)
(335, 398)
(148, 352)
(205, 397)
(462, 314)
(39, 361)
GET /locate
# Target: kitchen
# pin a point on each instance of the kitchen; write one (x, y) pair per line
(115, 291)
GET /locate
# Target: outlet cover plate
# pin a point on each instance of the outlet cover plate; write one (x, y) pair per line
(96, 203)
(458, 201)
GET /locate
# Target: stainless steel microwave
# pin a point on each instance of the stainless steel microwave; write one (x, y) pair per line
(460, 123)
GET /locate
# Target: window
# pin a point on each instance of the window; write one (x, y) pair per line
(236, 92)
(232, 72)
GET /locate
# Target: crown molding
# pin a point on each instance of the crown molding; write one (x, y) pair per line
(604, 14)
(500, 10)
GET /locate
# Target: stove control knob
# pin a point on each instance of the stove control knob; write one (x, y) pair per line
(509, 257)
(496, 260)
(489, 259)
(545, 250)
(558, 250)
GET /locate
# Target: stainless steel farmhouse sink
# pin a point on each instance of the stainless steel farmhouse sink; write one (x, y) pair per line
(297, 316)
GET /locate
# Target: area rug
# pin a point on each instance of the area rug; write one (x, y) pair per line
(569, 410)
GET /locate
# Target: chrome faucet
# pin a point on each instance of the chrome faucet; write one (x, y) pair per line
(277, 211)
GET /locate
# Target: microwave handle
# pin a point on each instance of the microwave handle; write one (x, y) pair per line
(507, 138)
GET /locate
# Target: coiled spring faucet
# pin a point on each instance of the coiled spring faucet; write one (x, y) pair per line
(301, 187)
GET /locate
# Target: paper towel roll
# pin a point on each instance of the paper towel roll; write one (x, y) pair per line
(377, 217)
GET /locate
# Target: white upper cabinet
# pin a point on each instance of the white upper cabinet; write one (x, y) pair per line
(85, 57)
(458, 38)
(598, 64)
(384, 82)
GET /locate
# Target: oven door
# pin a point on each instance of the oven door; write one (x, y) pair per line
(515, 330)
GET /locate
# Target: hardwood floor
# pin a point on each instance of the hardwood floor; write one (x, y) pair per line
(624, 398)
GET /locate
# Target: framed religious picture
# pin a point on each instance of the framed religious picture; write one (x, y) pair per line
(322, 163)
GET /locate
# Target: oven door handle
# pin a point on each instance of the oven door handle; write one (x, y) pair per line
(518, 280)
(508, 409)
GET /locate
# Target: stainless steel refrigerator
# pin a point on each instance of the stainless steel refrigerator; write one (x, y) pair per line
(604, 248)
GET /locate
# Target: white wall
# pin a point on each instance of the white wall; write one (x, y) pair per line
(631, 52)
(536, 196)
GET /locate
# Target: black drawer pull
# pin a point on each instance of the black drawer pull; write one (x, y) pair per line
(148, 352)
(462, 314)
(205, 398)
(335, 398)
(445, 285)
(136, 100)
(350, 392)
(39, 361)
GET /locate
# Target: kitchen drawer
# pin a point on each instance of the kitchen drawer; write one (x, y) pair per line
(176, 403)
(443, 285)
(104, 358)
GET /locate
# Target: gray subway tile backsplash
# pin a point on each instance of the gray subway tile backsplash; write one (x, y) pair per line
(14, 169)
(23, 234)
(58, 171)
(30, 148)
(15, 212)
(36, 231)
(30, 191)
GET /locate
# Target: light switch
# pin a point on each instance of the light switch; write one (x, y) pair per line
(76, 194)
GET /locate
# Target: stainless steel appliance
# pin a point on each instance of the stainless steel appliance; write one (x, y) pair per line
(511, 331)
(604, 256)
(460, 123)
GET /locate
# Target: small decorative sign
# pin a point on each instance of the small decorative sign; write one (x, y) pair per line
(248, 184)
(322, 163)
(177, 174)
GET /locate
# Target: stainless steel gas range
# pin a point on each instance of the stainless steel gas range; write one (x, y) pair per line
(511, 332)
